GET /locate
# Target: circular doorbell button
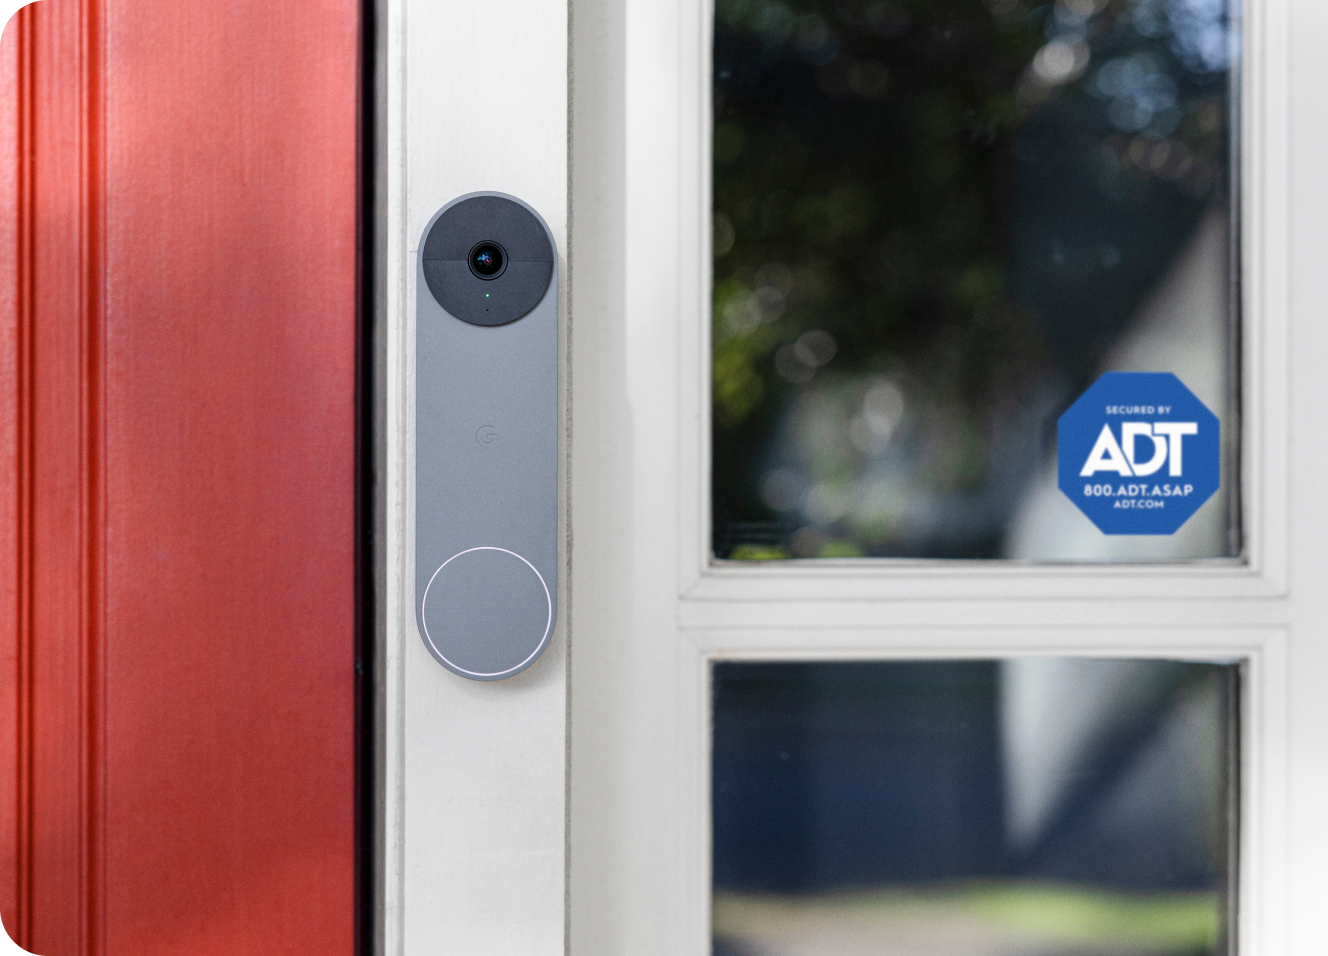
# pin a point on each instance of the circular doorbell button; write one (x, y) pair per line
(486, 612)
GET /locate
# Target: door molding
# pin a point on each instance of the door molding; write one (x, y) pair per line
(473, 818)
(53, 714)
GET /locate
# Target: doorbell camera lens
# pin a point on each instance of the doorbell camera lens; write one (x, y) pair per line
(487, 260)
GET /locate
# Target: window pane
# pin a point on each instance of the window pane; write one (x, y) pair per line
(936, 223)
(973, 808)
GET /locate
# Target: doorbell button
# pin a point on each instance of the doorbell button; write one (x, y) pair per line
(486, 612)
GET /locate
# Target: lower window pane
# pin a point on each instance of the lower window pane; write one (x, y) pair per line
(1025, 807)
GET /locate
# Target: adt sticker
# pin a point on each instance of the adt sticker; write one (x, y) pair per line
(1138, 453)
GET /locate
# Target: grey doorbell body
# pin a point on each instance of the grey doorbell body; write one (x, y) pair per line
(486, 436)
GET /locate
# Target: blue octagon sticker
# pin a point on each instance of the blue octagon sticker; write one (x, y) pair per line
(1138, 453)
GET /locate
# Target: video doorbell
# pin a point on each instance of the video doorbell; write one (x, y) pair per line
(486, 436)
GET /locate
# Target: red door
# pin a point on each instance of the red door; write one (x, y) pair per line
(178, 475)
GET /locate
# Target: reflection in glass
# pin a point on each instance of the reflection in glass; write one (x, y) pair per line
(936, 222)
(1031, 807)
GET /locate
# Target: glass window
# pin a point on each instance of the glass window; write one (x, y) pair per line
(1023, 807)
(936, 223)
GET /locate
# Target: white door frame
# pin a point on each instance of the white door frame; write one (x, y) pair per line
(472, 810)
(490, 843)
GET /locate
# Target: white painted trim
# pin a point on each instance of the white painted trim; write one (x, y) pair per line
(885, 580)
(473, 849)
(785, 620)
(1265, 211)
(390, 206)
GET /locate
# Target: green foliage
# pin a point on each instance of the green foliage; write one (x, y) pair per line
(756, 552)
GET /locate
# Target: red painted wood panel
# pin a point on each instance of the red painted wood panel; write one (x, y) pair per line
(58, 693)
(178, 334)
(12, 624)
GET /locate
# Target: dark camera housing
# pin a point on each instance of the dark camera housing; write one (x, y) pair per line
(487, 260)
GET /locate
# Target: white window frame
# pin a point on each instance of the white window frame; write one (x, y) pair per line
(606, 848)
